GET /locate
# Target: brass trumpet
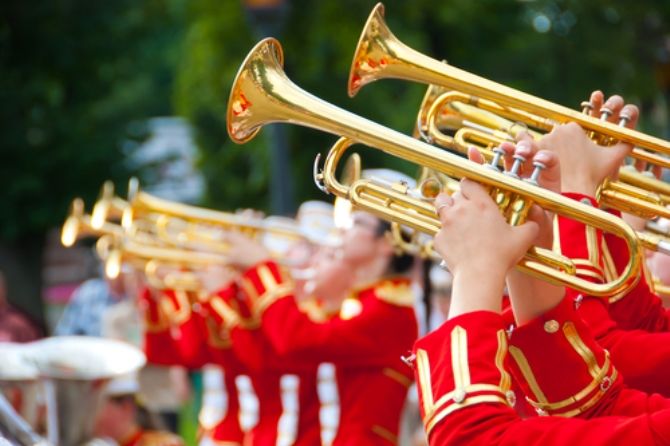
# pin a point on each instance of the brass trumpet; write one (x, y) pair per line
(635, 192)
(262, 94)
(184, 225)
(379, 54)
(150, 258)
(109, 206)
(78, 225)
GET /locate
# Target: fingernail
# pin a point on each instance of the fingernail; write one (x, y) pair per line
(523, 146)
(542, 156)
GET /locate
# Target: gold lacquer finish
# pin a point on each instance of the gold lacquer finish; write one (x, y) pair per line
(638, 193)
(78, 225)
(262, 94)
(108, 206)
(186, 225)
(380, 55)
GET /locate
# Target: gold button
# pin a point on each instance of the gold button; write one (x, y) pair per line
(551, 326)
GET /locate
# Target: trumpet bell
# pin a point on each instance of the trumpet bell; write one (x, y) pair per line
(243, 118)
(70, 229)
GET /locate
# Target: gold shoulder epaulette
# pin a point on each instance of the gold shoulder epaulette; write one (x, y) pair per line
(396, 293)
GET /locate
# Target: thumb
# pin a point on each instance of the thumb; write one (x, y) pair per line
(524, 235)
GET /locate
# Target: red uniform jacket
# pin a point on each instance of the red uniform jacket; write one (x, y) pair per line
(365, 342)
(286, 387)
(632, 327)
(640, 308)
(464, 391)
(176, 335)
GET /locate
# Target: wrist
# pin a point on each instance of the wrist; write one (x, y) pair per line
(580, 185)
(476, 290)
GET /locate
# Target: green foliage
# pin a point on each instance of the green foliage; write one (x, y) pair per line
(76, 79)
(612, 45)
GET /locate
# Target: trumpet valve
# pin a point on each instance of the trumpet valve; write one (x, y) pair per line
(519, 211)
(605, 113)
(587, 107)
(538, 168)
(497, 156)
(514, 170)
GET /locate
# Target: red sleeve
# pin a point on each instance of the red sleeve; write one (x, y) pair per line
(464, 393)
(640, 308)
(234, 331)
(642, 358)
(173, 332)
(580, 378)
(376, 332)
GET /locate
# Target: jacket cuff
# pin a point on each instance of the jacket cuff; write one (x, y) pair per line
(461, 365)
(580, 243)
(558, 364)
(263, 284)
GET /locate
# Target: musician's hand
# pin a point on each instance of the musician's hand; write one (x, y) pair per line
(244, 251)
(478, 246)
(550, 178)
(585, 163)
(214, 278)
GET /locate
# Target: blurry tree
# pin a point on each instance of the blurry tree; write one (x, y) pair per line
(556, 49)
(77, 79)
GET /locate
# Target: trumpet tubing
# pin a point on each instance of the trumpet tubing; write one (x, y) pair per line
(379, 54)
(263, 94)
(194, 219)
(108, 206)
(635, 192)
(78, 225)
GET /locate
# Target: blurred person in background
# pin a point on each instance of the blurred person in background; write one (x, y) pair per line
(375, 326)
(14, 325)
(83, 315)
(164, 390)
(124, 420)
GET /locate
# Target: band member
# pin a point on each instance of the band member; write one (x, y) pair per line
(284, 391)
(461, 367)
(297, 398)
(123, 420)
(633, 327)
(176, 335)
(375, 327)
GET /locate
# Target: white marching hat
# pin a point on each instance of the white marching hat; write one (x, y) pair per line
(316, 220)
(126, 384)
